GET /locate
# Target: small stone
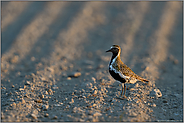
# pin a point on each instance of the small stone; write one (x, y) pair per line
(164, 101)
(54, 87)
(33, 58)
(97, 114)
(42, 96)
(175, 106)
(133, 114)
(94, 80)
(46, 115)
(94, 104)
(2, 116)
(38, 101)
(13, 104)
(88, 62)
(69, 78)
(46, 92)
(176, 61)
(132, 89)
(13, 86)
(154, 105)
(95, 92)
(57, 105)
(67, 106)
(136, 85)
(147, 68)
(45, 107)
(75, 74)
(55, 117)
(81, 120)
(95, 87)
(29, 106)
(28, 82)
(33, 116)
(50, 90)
(149, 83)
(156, 92)
(72, 101)
(74, 109)
(23, 101)
(113, 100)
(50, 69)
(15, 59)
(21, 89)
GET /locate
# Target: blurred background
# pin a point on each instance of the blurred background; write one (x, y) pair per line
(36, 35)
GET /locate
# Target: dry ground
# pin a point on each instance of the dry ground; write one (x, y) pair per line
(44, 43)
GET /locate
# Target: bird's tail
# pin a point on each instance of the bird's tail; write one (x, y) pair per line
(142, 79)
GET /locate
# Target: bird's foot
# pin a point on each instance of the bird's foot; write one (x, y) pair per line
(122, 98)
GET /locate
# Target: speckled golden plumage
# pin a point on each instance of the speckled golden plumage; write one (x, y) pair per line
(120, 71)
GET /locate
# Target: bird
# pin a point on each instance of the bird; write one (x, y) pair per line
(120, 71)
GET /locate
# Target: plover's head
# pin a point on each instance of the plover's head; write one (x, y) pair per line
(115, 49)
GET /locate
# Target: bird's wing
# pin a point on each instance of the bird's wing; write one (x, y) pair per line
(126, 70)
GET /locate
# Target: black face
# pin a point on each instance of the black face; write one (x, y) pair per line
(114, 50)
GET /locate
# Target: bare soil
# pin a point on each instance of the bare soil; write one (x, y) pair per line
(54, 66)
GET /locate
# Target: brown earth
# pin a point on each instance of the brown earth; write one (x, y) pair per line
(54, 66)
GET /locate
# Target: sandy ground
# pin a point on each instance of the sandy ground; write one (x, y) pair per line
(54, 66)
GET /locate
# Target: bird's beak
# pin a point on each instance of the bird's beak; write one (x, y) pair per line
(108, 50)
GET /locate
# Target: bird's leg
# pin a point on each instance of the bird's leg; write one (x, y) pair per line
(122, 89)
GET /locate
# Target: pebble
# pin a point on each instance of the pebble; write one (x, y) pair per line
(2, 116)
(38, 101)
(57, 105)
(23, 101)
(45, 107)
(88, 62)
(75, 74)
(136, 85)
(55, 117)
(13, 104)
(67, 106)
(46, 115)
(42, 96)
(13, 86)
(50, 90)
(15, 59)
(97, 114)
(176, 61)
(46, 92)
(74, 109)
(28, 82)
(164, 101)
(33, 116)
(175, 106)
(100, 66)
(95, 87)
(72, 101)
(50, 69)
(154, 105)
(156, 92)
(94, 80)
(54, 87)
(29, 106)
(95, 92)
(21, 89)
